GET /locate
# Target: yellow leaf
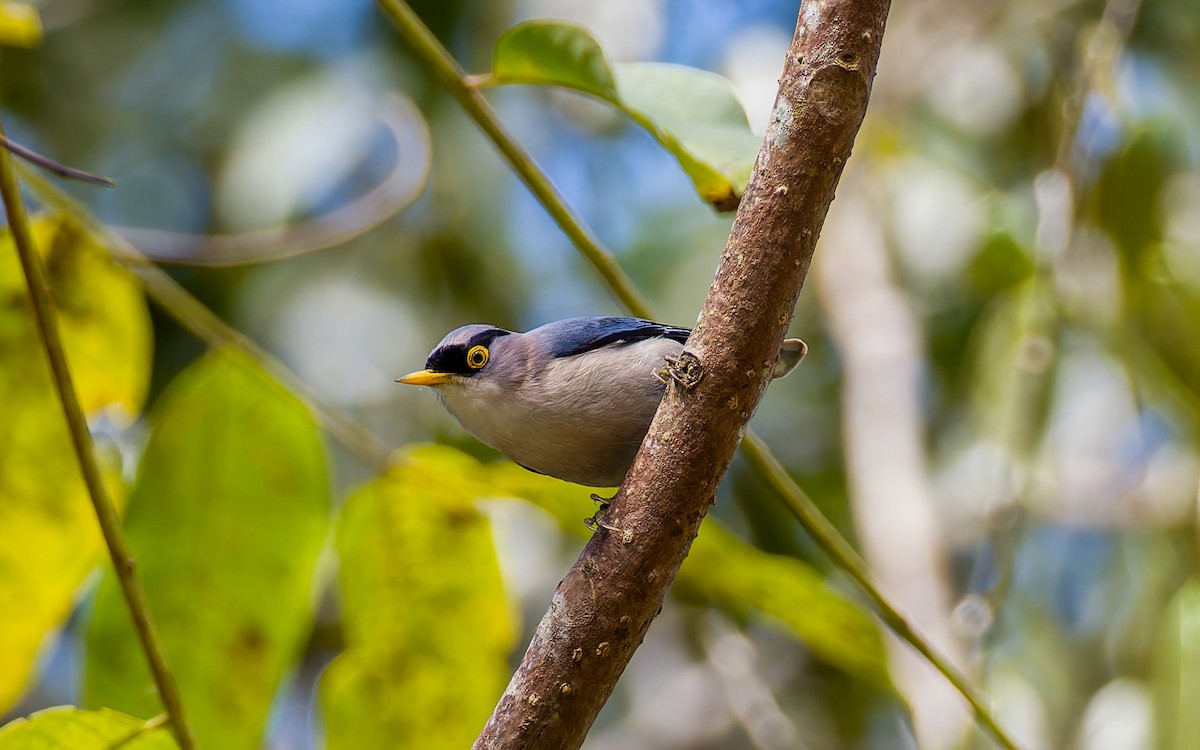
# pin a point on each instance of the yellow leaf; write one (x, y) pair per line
(20, 25)
(66, 728)
(226, 520)
(428, 626)
(49, 538)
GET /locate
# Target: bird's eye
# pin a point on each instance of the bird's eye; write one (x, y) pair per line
(477, 357)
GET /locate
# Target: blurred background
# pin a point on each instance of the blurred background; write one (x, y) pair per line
(1001, 405)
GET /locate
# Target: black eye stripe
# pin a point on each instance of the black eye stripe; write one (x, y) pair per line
(452, 358)
(485, 338)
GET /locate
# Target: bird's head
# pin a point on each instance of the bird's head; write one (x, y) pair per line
(465, 354)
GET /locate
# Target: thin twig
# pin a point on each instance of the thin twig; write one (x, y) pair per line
(459, 85)
(81, 438)
(54, 167)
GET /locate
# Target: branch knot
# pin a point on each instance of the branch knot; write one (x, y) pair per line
(686, 370)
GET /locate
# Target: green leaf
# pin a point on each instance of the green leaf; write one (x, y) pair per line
(226, 520)
(1129, 190)
(1162, 317)
(555, 54)
(49, 537)
(20, 25)
(791, 594)
(694, 114)
(428, 626)
(1012, 356)
(1000, 264)
(1177, 667)
(68, 728)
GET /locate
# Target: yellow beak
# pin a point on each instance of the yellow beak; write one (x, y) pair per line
(425, 377)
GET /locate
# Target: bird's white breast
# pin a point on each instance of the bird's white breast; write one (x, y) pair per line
(579, 418)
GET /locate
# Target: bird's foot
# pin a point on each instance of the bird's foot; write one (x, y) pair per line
(595, 523)
(684, 369)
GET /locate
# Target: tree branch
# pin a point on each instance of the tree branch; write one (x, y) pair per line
(603, 607)
(81, 439)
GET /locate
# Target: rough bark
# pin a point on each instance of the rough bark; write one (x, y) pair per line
(602, 608)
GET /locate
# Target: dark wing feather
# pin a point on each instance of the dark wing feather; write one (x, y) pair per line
(579, 335)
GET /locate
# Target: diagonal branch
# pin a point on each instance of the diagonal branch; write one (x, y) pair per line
(603, 607)
(81, 438)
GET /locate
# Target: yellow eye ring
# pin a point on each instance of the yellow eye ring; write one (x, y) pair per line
(477, 357)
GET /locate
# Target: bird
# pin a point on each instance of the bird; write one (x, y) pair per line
(571, 399)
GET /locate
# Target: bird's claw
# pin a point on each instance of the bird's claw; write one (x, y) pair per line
(684, 369)
(594, 523)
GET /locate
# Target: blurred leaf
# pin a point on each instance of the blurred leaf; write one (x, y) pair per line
(49, 538)
(1164, 317)
(568, 503)
(20, 25)
(693, 113)
(791, 594)
(737, 576)
(1012, 359)
(226, 520)
(1128, 192)
(785, 591)
(1177, 664)
(68, 728)
(428, 626)
(101, 312)
(999, 265)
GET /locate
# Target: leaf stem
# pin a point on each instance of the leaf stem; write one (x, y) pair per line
(431, 52)
(154, 722)
(81, 438)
